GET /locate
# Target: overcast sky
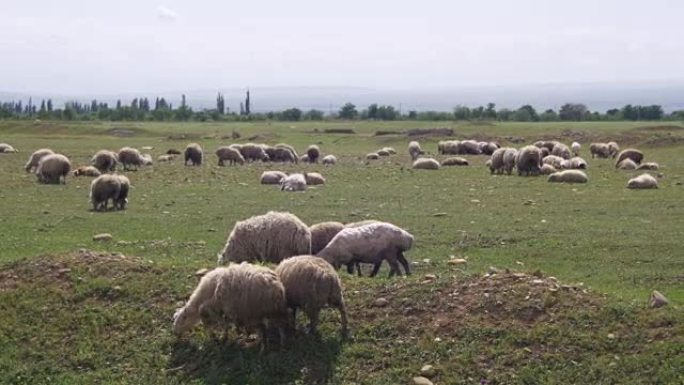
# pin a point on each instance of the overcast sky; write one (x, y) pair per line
(74, 46)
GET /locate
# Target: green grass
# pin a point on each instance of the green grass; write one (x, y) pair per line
(108, 321)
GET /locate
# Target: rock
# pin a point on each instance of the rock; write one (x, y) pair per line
(457, 261)
(104, 237)
(493, 270)
(427, 371)
(64, 270)
(430, 277)
(611, 336)
(439, 214)
(658, 299)
(381, 302)
(201, 272)
(420, 380)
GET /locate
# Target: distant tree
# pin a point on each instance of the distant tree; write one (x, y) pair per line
(548, 116)
(490, 111)
(372, 112)
(386, 113)
(248, 106)
(42, 106)
(292, 115)
(242, 109)
(348, 111)
(313, 115)
(572, 112)
(118, 105)
(477, 112)
(526, 113)
(504, 114)
(413, 114)
(220, 104)
(461, 113)
(49, 105)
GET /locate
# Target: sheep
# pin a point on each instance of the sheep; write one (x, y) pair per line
(271, 237)
(568, 176)
(468, 147)
(547, 169)
(509, 159)
(293, 182)
(253, 152)
(528, 160)
(391, 150)
(35, 158)
(561, 150)
(233, 156)
(166, 158)
(600, 150)
(426, 164)
(371, 243)
(193, 154)
(236, 146)
(496, 161)
(613, 149)
(314, 178)
(272, 177)
(122, 199)
(545, 152)
(488, 148)
(147, 159)
(652, 166)
(455, 161)
(575, 163)
(245, 295)
(311, 284)
(105, 160)
(104, 188)
(548, 144)
(313, 152)
(448, 147)
(329, 159)
(414, 150)
(322, 233)
(643, 181)
(86, 171)
(382, 153)
(282, 154)
(304, 158)
(372, 156)
(633, 154)
(172, 151)
(575, 147)
(130, 157)
(627, 164)
(289, 147)
(6, 148)
(53, 169)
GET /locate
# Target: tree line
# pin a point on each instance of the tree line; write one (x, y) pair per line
(142, 109)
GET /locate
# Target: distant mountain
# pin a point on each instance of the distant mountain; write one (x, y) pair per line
(597, 96)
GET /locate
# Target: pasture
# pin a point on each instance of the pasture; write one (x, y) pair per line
(73, 310)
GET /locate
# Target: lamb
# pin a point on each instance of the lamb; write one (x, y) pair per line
(147, 159)
(426, 164)
(311, 284)
(509, 159)
(496, 161)
(272, 177)
(248, 296)
(414, 150)
(568, 176)
(130, 157)
(322, 233)
(613, 149)
(233, 156)
(547, 169)
(627, 164)
(600, 150)
(313, 152)
(104, 188)
(293, 182)
(633, 154)
(86, 171)
(166, 158)
(193, 154)
(372, 156)
(35, 158)
(314, 178)
(528, 160)
(561, 150)
(652, 166)
(455, 161)
(370, 243)
(105, 160)
(253, 152)
(329, 159)
(53, 169)
(575, 147)
(643, 181)
(6, 148)
(271, 237)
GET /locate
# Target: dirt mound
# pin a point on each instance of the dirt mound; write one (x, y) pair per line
(121, 132)
(666, 127)
(427, 132)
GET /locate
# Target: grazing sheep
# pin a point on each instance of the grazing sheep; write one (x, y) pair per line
(509, 158)
(372, 156)
(289, 147)
(568, 176)
(122, 199)
(547, 169)
(448, 147)
(578, 163)
(488, 148)
(470, 147)
(166, 158)
(426, 164)
(147, 159)
(304, 158)
(293, 182)
(233, 156)
(130, 157)
(633, 154)
(627, 164)
(322, 233)
(561, 150)
(528, 160)
(282, 154)
(6, 148)
(53, 169)
(172, 151)
(382, 153)
(236, 146)
(271, 237)
(613, 149)
(643, 181)
(248, 296)
(496, 161)
(311, 284)
(104, 188)
(35, 158)
(652, 166)
(86, 171)
(193, 154)
(548, 144)
(371, 243)
(575, 147)
(329, 159)
(455, 161)
(105, 160)
(391, 150)
(272, 177)
(314, 178)
(253, 152)
(314, 153)
(600, 150)
(545, 152)
(414, 150)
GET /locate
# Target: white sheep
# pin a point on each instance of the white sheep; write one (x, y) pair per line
(129, 156)
(6, 148)
(601, 150)
(643, 181)
(391, 150)
(35, 158)
(455, 161)
(253, 152)
(560, 149)
(631, 153)
(166, 158)
(329, 159)
(232, 155)
(311, 284)
(568, 176)
(272, 177)
(53, 169)
(627, 164)
(372, 156)
(613, 149)
(528, 160)
(293, 182)
(105, 160)
(86, 171)
(313, 152)
(314, 178)
(271, 237)
(104, 188)
(509, 158)
(575, 147)
(652, 166)
(553, 160)
(496, 164)
(426, 164)
(547, 169)
(414, 150)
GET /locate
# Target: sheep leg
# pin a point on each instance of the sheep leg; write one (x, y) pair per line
(394, 268)
(313, 320)
(350, 268)
(343, 317)
(404, 262)
(376, 268)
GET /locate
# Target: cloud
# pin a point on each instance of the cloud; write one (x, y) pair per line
(166, 15)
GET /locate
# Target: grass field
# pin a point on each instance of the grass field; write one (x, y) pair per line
(75, 311)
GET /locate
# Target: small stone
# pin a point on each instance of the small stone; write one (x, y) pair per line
(527, 350)
(474, 201)
(430, 277)
(538, 274)
(493, 270)
(201, 272)
(381, 302)
(104, 237)
(439, 214)
(537, 281)
(437, 339)
(420, 380)
(658, 299)
(457, 261)
(427, 371)
(426, 260)
(62, 271)
(611, 336)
